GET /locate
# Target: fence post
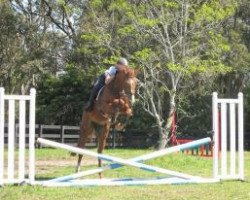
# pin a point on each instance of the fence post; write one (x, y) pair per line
(62, 133)
(1, 135)
(11, 139)
(22, 137)
(32, 135)
(40, 134)
(216, 135)
(241, 136)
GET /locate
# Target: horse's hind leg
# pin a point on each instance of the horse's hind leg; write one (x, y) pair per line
(85, 132)
(102, 142)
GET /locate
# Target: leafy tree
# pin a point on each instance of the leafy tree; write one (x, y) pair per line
(10, 42)
(28, 50)
(60, 99)
(178, 39)
(185, 48)
(236, 29)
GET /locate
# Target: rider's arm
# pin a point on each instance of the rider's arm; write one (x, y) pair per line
(108, 79)
(110, 74)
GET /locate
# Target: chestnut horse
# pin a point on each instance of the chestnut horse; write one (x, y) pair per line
(114, 100)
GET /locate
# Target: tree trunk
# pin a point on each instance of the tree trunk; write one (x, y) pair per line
(165, 131)
(163, 139)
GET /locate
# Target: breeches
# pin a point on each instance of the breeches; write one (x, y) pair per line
(99, 84)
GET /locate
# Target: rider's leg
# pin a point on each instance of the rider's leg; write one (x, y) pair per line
(92, 97)
(97, 86)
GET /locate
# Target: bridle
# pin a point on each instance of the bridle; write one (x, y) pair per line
(120, 93)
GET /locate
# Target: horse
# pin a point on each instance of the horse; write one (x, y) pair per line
(114, 100)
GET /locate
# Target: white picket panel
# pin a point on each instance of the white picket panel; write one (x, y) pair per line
(225, 121)
(8, 104)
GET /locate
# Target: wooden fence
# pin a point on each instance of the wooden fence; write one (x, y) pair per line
(70, 134)
(65, 134)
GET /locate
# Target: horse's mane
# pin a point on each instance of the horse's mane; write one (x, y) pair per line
(126, 70)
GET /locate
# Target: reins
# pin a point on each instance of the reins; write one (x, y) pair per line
(118, 92)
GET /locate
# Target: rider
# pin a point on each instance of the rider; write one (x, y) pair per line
(104, 79)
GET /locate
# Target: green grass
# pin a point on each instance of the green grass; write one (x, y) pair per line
(189, 164)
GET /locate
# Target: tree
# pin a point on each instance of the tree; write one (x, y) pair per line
(29, 49)
(178, 39)
(237, 30)
(61, 99)
(11, 51)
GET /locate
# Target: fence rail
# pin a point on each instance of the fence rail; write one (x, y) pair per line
(70, 134)
(64, 134)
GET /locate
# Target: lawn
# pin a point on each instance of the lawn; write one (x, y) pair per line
(53, 163)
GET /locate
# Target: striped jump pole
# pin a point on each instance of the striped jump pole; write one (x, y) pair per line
(126, 182)
(139, 159)
(142, 158)
(131, 162)
(9, 104)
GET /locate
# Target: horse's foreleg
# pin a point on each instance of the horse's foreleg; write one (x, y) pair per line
(79, 163)
(85, 131)
(81, 144)
(101, 143)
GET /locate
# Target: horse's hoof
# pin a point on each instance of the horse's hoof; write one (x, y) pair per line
(100, 176)
(72, 154)
(77, 169)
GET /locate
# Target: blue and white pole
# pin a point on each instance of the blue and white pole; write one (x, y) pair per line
(130, 162)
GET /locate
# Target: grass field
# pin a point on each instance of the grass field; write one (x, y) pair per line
(53, 163)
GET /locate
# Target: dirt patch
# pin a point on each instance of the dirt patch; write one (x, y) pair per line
(43, 166)
(69, 162)
(51, 165)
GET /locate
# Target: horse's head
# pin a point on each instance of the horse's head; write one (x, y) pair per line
(126, 81)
